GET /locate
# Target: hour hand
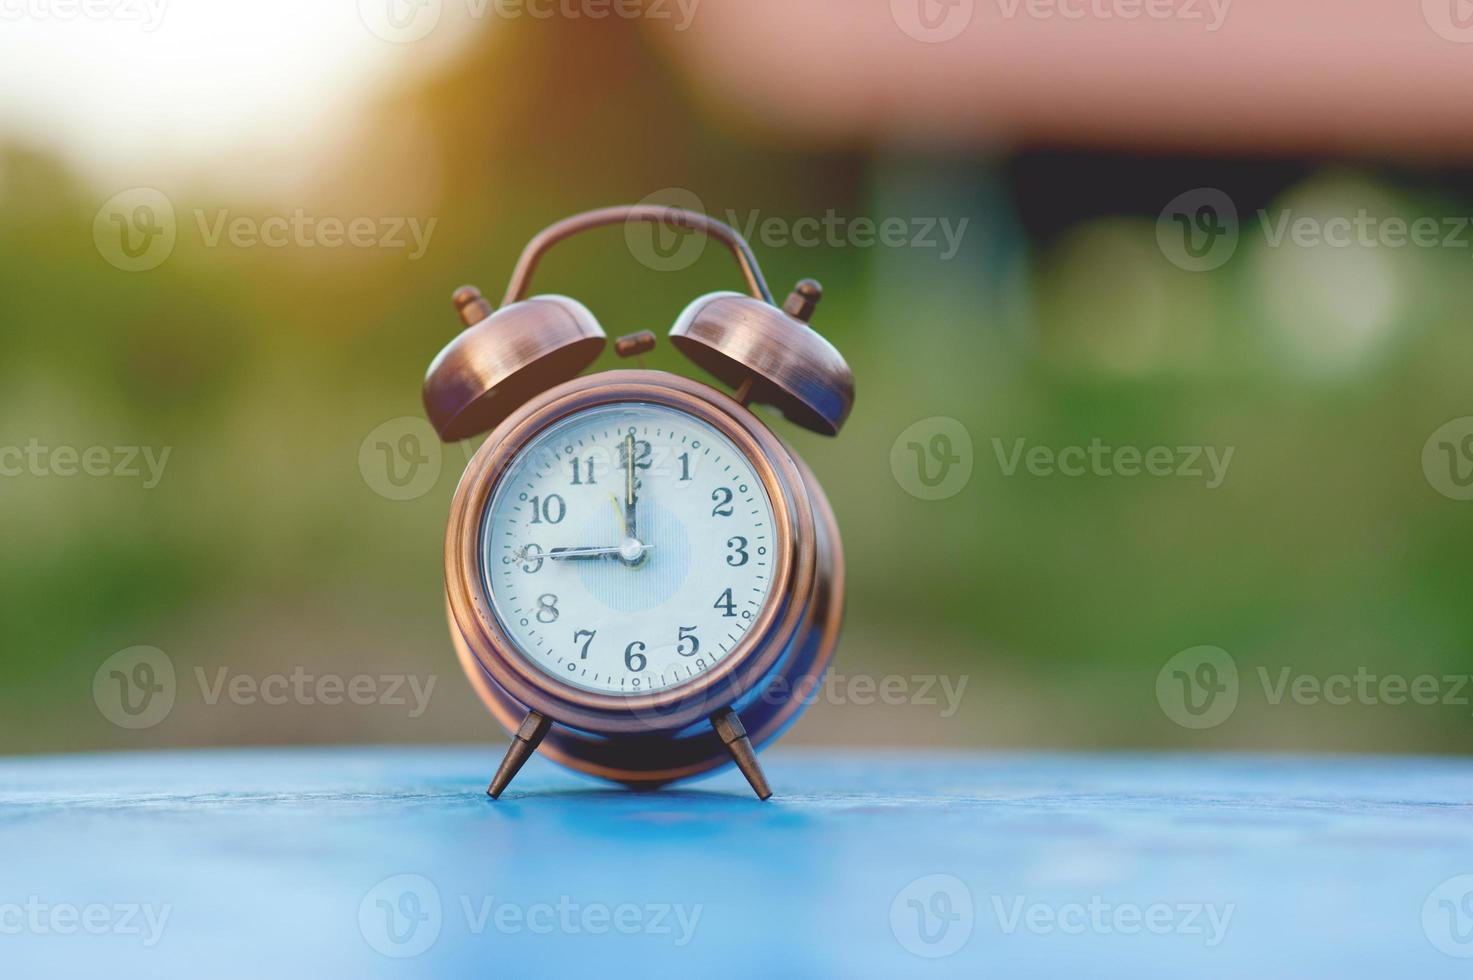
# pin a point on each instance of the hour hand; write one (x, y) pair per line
(630, 528)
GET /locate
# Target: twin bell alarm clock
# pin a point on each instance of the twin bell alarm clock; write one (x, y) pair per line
(643, 581)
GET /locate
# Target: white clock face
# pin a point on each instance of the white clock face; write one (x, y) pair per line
(628, 548)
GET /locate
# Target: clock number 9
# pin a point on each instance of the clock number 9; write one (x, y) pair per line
(529, 557)
(634, 658)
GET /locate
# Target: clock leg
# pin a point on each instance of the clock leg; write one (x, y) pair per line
(729, 729)
(523, 744)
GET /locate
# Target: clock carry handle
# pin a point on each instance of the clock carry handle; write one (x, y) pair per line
(521, 277)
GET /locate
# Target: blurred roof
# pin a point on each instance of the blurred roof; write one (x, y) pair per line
(1276, 76)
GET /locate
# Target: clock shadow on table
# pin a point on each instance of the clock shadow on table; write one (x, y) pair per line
(624, 797)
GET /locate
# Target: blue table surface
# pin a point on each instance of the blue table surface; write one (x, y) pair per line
(392, 862)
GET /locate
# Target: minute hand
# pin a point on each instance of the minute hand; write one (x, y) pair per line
(576, 554)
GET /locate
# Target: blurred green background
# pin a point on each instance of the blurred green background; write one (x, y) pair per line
(1060, 320)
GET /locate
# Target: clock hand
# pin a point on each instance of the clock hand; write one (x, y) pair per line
(629, 516)
(629, 551)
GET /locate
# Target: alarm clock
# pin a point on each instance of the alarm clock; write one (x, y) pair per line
(643, 581)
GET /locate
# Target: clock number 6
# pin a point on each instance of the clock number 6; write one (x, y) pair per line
(635, 659)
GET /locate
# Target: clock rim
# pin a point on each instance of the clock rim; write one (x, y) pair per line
(675, 707)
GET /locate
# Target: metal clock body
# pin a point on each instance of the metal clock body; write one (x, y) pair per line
(643, 581)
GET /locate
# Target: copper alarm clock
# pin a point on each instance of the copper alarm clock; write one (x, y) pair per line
(643, 581)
